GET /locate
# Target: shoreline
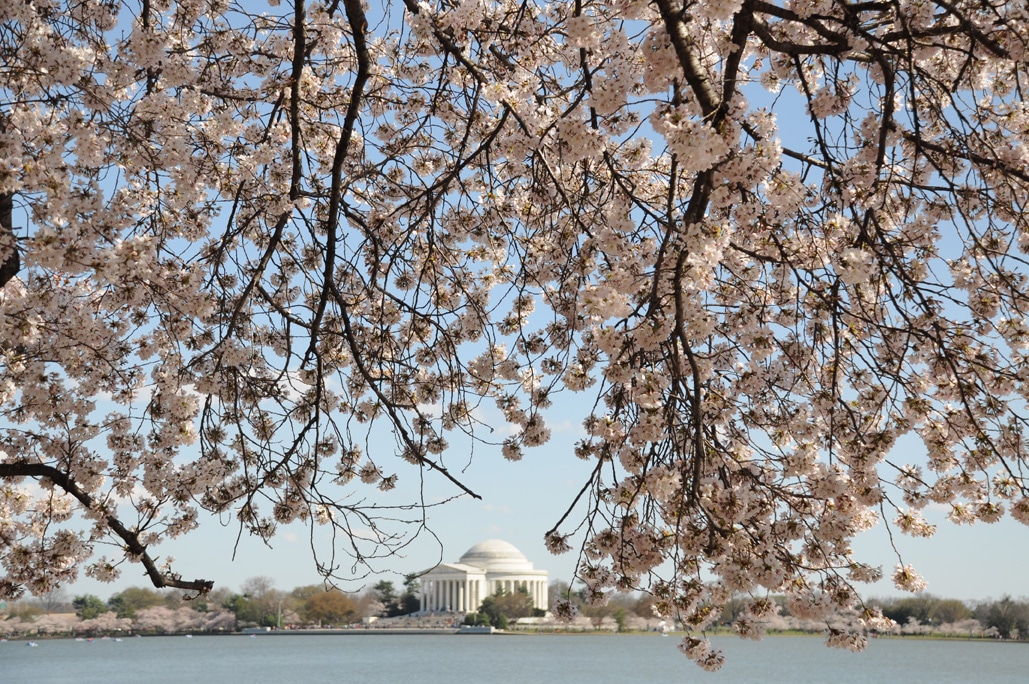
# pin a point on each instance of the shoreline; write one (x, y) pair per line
(453, 631)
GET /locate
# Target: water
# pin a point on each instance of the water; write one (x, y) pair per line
(529, 659)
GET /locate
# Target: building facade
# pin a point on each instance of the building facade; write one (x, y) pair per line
(483, 570)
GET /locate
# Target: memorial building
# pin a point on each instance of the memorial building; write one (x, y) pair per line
(482, 571)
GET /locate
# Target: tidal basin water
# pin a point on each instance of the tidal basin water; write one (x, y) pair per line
(435, 659)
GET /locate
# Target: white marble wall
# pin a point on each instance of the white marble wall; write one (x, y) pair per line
(466, 595)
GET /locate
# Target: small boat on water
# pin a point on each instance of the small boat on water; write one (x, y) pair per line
(33, 644)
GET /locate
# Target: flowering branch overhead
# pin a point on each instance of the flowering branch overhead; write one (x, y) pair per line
(133, 547)
(273, 262)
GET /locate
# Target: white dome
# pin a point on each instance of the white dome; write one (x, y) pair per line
(496, 554)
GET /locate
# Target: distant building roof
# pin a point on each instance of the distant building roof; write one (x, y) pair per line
(496, 555)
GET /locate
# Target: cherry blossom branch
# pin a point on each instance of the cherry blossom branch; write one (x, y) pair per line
(692, 69)
(358, 25)
(133, 547)
(763, 31)
(8, 240)
(12, 264)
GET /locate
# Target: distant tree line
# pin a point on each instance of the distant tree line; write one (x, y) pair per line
(1006, 617)
(922, 614)
(257, 604)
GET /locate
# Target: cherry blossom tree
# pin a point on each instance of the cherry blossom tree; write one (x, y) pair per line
(168, 620)
(767, 238)
(105, 623)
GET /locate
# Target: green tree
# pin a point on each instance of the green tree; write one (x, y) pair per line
(387, 596)
(502, 607)
(241, 607)
(477, 619)
(302, 593)
(621, 615)
(948, 611)
(133, 599)
(409, 601)
(904, 610)
(88, 606)
(330, 607)
(1007, 616)
(516, 604)
(492, 611)
(120, 607)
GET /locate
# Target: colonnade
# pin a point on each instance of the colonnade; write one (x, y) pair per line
(466, 595)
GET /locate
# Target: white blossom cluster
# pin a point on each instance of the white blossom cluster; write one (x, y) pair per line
(244, 243)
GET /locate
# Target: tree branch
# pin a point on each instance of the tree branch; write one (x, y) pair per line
(131, 539)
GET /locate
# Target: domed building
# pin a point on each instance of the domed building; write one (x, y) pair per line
(482, 571)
